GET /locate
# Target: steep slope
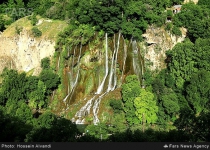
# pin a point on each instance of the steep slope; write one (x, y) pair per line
(24, 52)
(92, 72)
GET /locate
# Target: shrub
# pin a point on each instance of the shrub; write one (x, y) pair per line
(116, 105)
(33, 19)
(176, 31)
(18, 29)
(36, 32)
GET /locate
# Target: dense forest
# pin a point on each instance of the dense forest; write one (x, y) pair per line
(172, 105)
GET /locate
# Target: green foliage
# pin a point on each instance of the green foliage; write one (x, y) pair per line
(50, 79)
(201, 53)
(146, 109)
(168, 26)
(13, 85)
(198, 91)
(51, 128)
(169, 13)
(75, 34)
(33, 19)
(204, 3)
(118, 123)
(170, 103)
(193, 125)
(18, 30)
(37, 97)
(24, 113)
(195, 19)
(181, 65)
(2, 23)
(99, 131)
(116, 105)
(176, 31)
(36, 32)
(12, 128)
(45, 63)
(130, 90)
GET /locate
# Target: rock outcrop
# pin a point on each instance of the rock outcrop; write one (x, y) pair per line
(158, 41)
(24, 52)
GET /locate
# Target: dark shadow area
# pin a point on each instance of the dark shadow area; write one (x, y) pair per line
(12, 129)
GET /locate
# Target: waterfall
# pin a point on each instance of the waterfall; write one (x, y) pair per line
(92, 105)
(114, 64)
(58, 65)
(136, 64)
(71, 73)
(77, 76)
(96, 108)
(101, 86)
(115, 74)
(124, 59)
(111, 69)
(85, 109)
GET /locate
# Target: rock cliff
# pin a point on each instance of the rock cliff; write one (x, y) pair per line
(23, 52)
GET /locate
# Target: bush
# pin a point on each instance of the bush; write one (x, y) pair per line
(18, 29)
(168, 26)
(116, 105)
(33, 19)
(176, 31)
(36, 32)
(45, 63)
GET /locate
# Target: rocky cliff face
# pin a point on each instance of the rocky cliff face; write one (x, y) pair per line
(23, 52)
(157, 42)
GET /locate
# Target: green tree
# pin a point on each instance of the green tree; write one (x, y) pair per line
(198, 91)
(202, 55)
(37, 97)
(13, 85)
(24, 113)
(146, 108)
(50, 128)
(2, 24)
(36, 32)
(116, 105)
(99, 131)
(182, 63)
(130, 90)
(50, 79)
(45, 63)
(170, 104)
(12, 128)
(195, 19)
(118, 123)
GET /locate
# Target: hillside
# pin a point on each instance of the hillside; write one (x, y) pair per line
(122, 70)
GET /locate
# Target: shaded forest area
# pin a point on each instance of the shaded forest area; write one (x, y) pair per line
(173, 107)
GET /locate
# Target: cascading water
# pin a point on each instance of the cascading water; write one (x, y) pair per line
(77, 76)
(96, 108)
(101, 86)
(58, 65)
(111, 69)
(124, 59)
(95, 100)
(131, 54)
(136, 62)
(115, 74)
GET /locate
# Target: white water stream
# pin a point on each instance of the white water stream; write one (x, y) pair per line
(101, 86)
